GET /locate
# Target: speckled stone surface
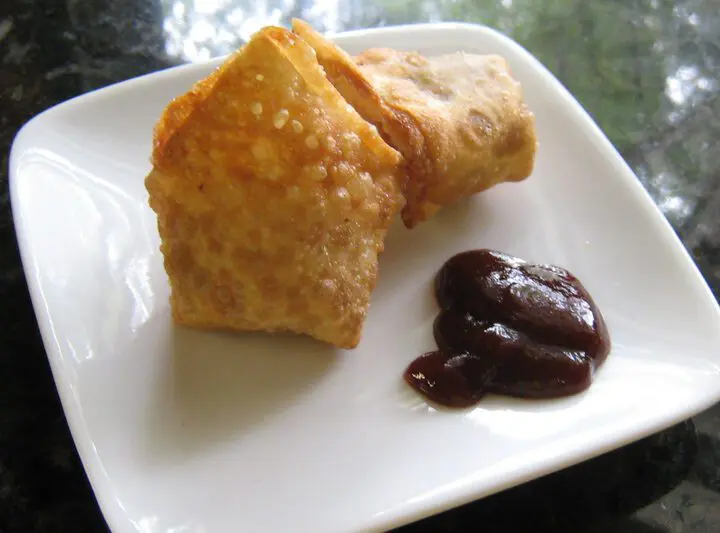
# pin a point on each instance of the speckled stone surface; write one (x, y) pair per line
(647, 70)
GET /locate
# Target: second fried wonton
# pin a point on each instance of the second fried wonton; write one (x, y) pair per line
(459, 119)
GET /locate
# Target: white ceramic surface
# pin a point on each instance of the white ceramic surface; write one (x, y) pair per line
(184, 431)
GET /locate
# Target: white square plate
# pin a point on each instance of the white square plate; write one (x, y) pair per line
(184, 431)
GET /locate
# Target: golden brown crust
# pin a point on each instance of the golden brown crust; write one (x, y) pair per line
(395, 126)
(470, 111)
(273, 197)
(459, 120)
(179, 109)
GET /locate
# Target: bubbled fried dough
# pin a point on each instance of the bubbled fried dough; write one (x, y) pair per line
(273, 197)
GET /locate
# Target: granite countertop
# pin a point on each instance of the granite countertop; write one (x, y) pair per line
(647, 70)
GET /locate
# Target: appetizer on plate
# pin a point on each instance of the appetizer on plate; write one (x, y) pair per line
(276, 178)
(273, 197)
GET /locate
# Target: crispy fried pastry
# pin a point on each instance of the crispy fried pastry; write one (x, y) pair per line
(459, 119)
(273, 197)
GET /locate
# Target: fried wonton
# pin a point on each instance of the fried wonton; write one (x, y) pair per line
(273, 197)
(459, 119)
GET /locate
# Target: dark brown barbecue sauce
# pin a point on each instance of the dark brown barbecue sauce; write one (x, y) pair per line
(509, 327)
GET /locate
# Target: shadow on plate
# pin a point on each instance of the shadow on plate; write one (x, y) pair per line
(596, 496)
(438, 238)
(217, 387)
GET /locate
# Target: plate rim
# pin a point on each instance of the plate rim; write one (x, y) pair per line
(111, 509)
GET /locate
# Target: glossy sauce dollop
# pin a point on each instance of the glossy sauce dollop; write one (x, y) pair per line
(509, 327)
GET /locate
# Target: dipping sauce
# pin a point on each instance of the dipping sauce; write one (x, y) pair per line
(509, 327)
